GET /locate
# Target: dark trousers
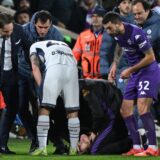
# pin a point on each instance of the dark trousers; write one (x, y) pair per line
(26, 94)
(9, 88)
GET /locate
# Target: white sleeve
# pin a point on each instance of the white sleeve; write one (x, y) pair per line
(32, 49)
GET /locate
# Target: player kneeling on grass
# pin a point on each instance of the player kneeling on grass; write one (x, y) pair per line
(60, 75)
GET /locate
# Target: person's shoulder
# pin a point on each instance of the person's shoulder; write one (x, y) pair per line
(154, 19)
(55, 33)
(135, 29)
(106, 35)
(18, 30)
(26, 25)
(18, 26)
(131, 29)
(155, 14)
(130, 25)
(54, 29)
(86, 32)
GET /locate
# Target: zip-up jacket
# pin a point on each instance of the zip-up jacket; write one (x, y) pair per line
(30, 30)
(90, 49)
(152, 30)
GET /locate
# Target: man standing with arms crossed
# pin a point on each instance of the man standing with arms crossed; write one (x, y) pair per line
(61, 75)
(143, 82)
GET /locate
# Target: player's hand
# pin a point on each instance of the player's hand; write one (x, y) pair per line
(112, 73)
(125, 73)
(92, 136)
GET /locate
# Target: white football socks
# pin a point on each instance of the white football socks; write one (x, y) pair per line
(42, 130)
(74, 129)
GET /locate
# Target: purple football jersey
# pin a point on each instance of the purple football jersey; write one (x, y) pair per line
(133, 43)
(146, 81)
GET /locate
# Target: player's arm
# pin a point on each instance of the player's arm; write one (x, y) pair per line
(148, 59)
(117, 55)
(36, 69)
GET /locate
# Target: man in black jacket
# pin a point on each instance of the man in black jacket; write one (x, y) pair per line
(11, 40)
(108, 133)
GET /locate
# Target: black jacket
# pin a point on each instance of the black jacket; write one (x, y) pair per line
(104, 101)
(19, 41)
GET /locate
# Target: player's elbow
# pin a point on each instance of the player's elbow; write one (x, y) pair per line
(34, 68)
(152, 57)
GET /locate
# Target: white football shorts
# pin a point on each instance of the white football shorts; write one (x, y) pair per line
(61, 78)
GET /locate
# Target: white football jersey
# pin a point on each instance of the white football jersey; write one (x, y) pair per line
(53, 52)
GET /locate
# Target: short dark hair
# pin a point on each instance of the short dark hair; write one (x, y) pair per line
(111, 17)
(18, 12)
(144, 3)
(5, 19)
(120, 1)
(43, 16)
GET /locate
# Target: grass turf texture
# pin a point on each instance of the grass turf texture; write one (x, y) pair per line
(21, 147)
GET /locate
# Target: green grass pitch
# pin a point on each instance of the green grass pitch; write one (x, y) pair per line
(21, 147)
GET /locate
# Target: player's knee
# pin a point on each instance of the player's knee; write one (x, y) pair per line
(72, 114)
(44, 111)
(142, 109)
(143, 106)
(126, 111)
(123, 112)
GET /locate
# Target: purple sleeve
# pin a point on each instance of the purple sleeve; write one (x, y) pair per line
(142, 41)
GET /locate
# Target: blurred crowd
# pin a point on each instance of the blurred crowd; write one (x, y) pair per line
(71, 14)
